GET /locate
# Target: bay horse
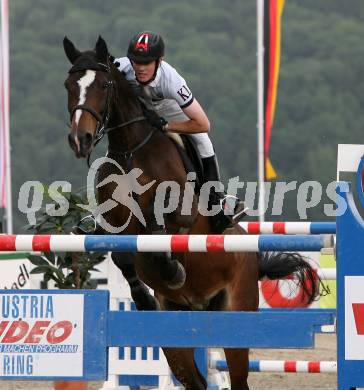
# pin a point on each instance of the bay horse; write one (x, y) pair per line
(101, 101)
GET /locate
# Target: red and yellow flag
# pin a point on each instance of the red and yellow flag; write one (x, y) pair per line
(272, 42)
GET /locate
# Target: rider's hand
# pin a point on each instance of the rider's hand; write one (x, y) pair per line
(156, 121)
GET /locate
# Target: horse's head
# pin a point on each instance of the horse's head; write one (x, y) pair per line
(89, 94)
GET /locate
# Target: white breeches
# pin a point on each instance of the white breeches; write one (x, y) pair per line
(204, 144)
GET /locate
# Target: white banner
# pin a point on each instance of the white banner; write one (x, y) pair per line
(15, 273)
(41, 334)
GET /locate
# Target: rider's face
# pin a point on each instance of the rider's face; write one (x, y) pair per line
(144, 72)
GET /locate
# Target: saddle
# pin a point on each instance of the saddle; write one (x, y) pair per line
(190, 156)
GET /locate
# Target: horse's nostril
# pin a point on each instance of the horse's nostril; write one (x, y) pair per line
(85, 142)
(88, 138)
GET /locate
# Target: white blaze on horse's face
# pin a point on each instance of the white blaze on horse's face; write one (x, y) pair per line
(84, 82)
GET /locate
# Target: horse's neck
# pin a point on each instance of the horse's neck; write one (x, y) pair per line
(126, 107)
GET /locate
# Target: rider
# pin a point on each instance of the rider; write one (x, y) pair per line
(160, 87)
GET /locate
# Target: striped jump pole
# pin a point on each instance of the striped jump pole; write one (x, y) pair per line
(165, 243)
(289, 227)
(287, 366)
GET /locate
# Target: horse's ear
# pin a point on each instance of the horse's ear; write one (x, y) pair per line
(101, 49)
(71, 52)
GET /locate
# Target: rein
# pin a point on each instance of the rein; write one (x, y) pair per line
(128, 154)
(100, 134)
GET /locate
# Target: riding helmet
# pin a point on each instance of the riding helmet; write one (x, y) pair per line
(146, 47)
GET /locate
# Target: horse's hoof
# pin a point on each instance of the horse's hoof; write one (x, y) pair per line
(143, 299)
(149, 303)
(178, 279)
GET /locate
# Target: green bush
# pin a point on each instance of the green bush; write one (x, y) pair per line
(68, 270)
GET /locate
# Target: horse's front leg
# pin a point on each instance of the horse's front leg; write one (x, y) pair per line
(171, 271)
(125, 262)
(139, 292)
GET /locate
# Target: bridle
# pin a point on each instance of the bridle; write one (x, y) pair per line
(102, 120)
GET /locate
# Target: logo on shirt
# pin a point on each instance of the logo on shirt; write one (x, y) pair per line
(143, 42)
(184, 92)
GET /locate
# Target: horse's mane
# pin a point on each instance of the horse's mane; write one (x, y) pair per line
(128, 94)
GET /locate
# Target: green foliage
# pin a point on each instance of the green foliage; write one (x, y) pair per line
(213, 44)
(67, 270)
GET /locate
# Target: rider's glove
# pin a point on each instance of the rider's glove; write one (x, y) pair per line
(156, 121)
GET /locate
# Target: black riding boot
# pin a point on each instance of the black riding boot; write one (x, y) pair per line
(232, 208)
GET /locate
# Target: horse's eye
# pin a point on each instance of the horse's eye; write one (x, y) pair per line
(105, 85)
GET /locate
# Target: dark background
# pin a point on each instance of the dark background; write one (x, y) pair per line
(213, 45)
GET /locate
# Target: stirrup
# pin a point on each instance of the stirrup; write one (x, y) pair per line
(233, 207)
(84, 227)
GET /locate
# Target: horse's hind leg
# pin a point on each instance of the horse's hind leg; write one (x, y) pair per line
(244, 296)
(238, 364)
(139, 292)
(237, 359)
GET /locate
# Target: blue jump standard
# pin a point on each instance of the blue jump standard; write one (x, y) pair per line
(104, 328)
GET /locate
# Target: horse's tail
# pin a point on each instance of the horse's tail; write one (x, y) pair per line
(280, 265)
